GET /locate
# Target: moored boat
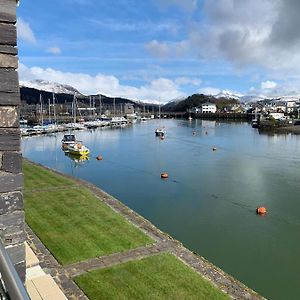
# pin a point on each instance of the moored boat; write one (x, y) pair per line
(78, 148)
(67, 140)
(160, 131)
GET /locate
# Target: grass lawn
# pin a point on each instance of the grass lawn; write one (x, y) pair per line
(72, 222)
(158, 277)
(40, 178)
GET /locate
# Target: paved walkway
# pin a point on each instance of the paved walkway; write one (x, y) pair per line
(163, 243)
(39, 285)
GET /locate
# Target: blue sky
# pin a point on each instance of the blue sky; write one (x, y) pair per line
(160, 49)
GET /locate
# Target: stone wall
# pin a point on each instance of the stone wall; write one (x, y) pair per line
(11, 179)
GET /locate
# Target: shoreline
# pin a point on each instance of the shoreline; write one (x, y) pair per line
(221, 280)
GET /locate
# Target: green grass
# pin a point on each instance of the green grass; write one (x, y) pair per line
(72, 222)
(39, 178)
(158, 277)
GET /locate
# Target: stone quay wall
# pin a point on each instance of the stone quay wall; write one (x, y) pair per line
(11, 179)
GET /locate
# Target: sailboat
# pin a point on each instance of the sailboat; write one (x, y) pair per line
(74, 125)
(160, 131)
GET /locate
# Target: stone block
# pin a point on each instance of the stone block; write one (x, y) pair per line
(12, 162)
(8, 34)
(8, 11)
(8, 61)
(8, 50)
(12, 228)
(9, 139)
(9, 79)
(9, 116)
(10, 98)
(10, 202)
(10, 182)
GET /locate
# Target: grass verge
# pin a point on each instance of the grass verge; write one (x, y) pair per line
(158, 277)
(71, 221)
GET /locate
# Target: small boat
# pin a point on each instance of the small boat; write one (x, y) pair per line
(254, 123)
(67, 140)
(160, 131)
(78, 148)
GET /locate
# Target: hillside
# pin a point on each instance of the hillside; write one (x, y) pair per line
(31, 96)
(196, 100)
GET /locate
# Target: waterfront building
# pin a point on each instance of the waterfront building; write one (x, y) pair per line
(208, 107)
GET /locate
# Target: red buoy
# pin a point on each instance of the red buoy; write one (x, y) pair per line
(164, 175)
(99, 157)
(261, 210)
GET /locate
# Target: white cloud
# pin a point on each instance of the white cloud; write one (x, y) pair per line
(187, 81)
(54, 50)
(25, 32)
(147, 26)
(209, 91)
(268, 84)
(168, 49)
(158, 49)
(245, 33)
(159, 89)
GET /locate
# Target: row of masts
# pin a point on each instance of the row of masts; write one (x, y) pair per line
(75, 108)
(49, 109)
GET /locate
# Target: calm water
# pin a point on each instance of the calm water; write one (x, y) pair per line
(209, 200)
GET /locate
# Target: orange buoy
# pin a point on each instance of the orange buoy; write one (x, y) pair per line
(261, 210)
(164, 175)
(99, 157)
(214, 149)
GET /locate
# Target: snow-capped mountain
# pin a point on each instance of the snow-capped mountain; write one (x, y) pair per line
(228, 95)
(48, 86)
(252, 98)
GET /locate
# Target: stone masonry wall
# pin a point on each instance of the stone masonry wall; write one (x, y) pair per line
(11, 179)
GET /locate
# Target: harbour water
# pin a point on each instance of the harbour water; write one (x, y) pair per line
(209, 200)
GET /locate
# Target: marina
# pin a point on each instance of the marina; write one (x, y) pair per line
(209, 200)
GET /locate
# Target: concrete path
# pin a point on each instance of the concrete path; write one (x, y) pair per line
(39, 285)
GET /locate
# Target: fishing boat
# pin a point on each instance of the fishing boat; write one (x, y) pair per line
(67, 140)
(78, 148)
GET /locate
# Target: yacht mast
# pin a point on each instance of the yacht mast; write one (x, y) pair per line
(49, 110)
(114, 106)
(54, 110)
(41, 110)
(74, 108)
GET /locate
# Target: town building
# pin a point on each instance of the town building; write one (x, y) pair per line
(208, 107)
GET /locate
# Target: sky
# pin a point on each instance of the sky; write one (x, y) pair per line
(161, 50)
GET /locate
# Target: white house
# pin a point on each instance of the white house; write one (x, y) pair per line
(208, 107)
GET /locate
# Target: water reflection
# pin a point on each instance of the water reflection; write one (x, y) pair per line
(79, 160)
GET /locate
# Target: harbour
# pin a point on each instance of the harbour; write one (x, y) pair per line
(209, 200)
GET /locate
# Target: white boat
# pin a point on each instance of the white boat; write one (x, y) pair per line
(67, 140)
(160, 131)
(78, 148)
(74, 126)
